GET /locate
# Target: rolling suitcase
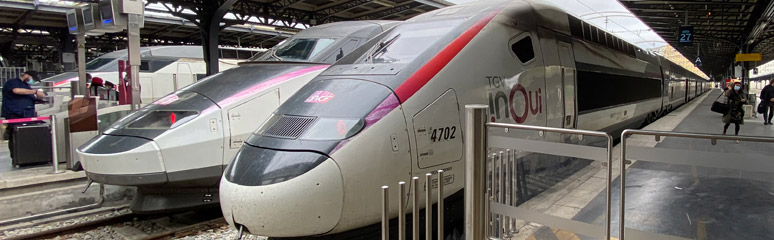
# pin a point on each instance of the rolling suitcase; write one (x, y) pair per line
(31, 144)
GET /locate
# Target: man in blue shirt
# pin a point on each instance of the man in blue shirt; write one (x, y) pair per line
(19, 101)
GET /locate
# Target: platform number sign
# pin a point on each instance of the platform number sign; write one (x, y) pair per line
(686, 36)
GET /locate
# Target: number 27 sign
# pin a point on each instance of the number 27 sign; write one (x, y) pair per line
(686, 36)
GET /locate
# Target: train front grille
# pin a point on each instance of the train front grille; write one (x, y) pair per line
(289, 126)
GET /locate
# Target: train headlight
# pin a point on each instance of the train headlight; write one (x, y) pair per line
(254, 166)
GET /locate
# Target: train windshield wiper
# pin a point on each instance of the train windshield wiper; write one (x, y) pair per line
(274, 55)
(381, 49)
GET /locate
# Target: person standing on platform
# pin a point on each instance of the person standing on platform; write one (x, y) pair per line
(19, 101)
(767, 99)
(735, 100)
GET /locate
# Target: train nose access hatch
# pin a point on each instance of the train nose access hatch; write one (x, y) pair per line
(307, 184)
(123, 161)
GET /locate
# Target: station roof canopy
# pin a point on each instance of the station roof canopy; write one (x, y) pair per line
(250, 23)
(722, 28)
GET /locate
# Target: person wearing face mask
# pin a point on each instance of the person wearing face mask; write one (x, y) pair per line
(735, 100)
(19, 100)
(767, 99)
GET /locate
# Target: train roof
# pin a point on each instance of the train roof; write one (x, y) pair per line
(187, 51)
(238, 82)
(361, 29)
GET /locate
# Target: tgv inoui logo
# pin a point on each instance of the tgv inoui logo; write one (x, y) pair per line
(516, 101)
(320, 97)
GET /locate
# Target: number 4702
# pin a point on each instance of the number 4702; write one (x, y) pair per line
(443, 133)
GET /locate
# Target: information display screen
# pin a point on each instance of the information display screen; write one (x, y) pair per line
(106, 11)
(72, 21)
(88, 18)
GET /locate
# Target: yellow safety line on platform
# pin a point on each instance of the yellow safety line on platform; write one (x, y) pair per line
(701, 229)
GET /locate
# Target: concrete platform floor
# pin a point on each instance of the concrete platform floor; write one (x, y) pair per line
(673, 201)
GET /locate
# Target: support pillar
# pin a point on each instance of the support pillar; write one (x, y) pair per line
(133, 48)
(79, 87)
(210, 30)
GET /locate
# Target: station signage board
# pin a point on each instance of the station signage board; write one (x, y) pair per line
(748, 57)
(686, 36)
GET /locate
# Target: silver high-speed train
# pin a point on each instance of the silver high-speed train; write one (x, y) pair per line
(394, 109)
(174, 149)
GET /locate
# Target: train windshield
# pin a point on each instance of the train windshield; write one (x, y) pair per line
(299, 49)
(328, 110)
(406, 42)
(166, 113)
(97, 63)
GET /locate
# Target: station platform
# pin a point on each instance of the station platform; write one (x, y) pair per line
(35, 190)
(665, 200)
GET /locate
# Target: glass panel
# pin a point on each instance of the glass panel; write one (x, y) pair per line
(97, 63)
(546, 186)
(162, 119)
(523, 49)
(333, 129)
(407, 41)
(302, 49)
(691, 188)
(105, 120)
(167, 112)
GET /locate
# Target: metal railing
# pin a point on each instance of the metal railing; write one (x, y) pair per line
(491, 191)
(480, 138)
(414, 199)
(7, 73)
(743, 162)
(490, 183)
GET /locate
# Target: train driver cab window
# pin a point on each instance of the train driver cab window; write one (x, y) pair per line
(302, 48)
(523, 49)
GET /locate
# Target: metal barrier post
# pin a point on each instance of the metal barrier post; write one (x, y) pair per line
(509, 188)
(622, 198)
(475, 171)
(54, 156)
(415, 206)
(428, 207)
(440, 204)
(609, 185)
(385, 213)
(401, 211)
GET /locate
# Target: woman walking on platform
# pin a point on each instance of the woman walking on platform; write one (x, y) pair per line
(735, 100)
(767, 99)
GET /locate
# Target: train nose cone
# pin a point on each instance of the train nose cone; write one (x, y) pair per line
(122, 160)
(282, 194)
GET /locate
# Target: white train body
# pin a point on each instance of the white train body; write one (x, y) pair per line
(163, 69)
(396, 111)
(175, 149)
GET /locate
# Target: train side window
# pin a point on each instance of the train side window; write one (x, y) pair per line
(609, 40)
(576, 27)
(587, 31)
(523, 49)
(596, 34)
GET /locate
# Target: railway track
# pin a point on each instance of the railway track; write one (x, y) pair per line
(135, 226)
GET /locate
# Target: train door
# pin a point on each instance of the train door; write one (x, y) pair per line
(146, 89)
(567, 60)
(184, 76)
(553, 103)
(240, 125)
(438, 131)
